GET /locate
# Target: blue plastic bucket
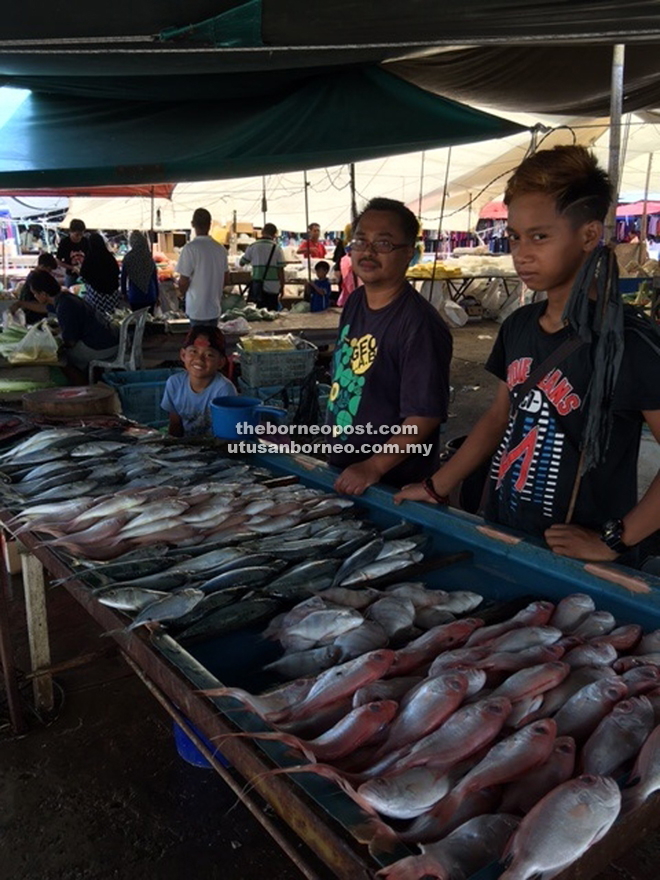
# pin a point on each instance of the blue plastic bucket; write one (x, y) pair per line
(228, 413)
(189, 751)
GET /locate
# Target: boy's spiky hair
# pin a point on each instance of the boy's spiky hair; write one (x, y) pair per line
(571, 175)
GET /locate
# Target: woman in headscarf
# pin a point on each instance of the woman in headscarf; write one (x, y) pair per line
(100, 272)
(139, 277)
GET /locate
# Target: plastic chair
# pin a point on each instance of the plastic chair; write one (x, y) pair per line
(129, 353)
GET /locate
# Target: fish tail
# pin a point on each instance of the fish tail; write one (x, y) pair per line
(277, 736)
(382, 839)
(414, 868)
(631, 799)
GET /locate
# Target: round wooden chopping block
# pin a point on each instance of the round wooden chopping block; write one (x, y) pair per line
(92, 400)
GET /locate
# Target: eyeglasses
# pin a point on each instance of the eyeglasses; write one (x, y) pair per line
(380, 247)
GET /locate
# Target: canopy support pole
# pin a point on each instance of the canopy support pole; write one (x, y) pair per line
(421, 188)
(643, 232)
(616, 108)
(354, 211)
(309, 252)
(440, 219)
(264, 203)
(152, 231)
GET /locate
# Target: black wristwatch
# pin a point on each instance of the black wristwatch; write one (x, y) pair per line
(610, 534)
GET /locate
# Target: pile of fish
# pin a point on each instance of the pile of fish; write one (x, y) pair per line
(472, 742)
(181, 535)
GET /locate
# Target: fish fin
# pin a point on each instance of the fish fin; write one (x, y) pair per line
(414, 868)
(381, 839)
(114, 632)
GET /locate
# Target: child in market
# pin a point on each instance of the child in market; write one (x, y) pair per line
(317, 293)
(577, 379)
(188, 396)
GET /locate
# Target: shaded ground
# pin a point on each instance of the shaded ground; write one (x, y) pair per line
(101, 793)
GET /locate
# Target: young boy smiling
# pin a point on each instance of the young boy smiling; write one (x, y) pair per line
(566, 446)
(188, 395)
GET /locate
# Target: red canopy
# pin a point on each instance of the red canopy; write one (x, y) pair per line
(157, 190)
(636, 209)
(494, 211)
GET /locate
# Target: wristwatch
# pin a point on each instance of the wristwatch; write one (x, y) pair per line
(431, 490)
(611, 533)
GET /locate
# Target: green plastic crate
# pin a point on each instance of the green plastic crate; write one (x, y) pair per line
(266, 368)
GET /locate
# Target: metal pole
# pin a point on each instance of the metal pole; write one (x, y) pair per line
(421, 188)
(354, 211)
(645, 216)
(440, 219)
(264, 203)
(152, 230)
(309, 253)
(616, 105)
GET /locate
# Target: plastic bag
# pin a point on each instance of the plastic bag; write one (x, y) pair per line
(38, 345)
(9, 320)
(455, 314)
(237, 327)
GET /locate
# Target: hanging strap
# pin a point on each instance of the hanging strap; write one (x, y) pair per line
(557, 357)
(270, 257)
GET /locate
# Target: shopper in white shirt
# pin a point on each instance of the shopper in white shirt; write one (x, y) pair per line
(267, 259)
(202, 269)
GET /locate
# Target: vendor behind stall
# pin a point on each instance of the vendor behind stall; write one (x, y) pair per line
(34, 311)
(86, 335)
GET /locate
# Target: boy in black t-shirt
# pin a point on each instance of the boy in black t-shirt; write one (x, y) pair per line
(72, 251)
(565, 443)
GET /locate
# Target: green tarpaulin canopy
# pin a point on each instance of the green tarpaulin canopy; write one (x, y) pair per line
(358, 114)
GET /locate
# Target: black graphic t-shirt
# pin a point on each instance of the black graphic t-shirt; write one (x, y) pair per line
(533, 472)
(389, 364)
(73, 253)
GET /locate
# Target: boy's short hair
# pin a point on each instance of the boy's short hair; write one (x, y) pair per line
(43, 282)
(77, 226)
(409, 223)
(322, 264)
(571, 176)
(269, 229)
(213, 334)
(47, 261)
(202, 218)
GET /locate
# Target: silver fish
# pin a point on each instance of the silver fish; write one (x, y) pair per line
(571, 611)
(368, 636)
(598, 623)
(460, 601)
(408, 794)
(645, 775)
(358, 599)
(591, 655)
(310, 662)
(379, 569)
(69, 491)
(641, 680)
(394, 615)
(129, 598)
(169, 608)
(545, 843)
(305, 572)
(95, 450)
(156, 511)
(390, 689)
(109, 507)
(522, 795)
(649, 644)
(147, 528)
(363, 556)
(319, 626)
(618, 737)
(582, 714)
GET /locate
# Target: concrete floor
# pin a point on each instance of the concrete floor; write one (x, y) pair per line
(101, 793)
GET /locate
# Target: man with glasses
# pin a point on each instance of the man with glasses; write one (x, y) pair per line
(390, 383)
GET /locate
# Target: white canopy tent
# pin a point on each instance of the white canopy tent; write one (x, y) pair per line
(477, 175)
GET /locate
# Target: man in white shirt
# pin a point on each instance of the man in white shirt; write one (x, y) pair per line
(203, 272)
(267, 259)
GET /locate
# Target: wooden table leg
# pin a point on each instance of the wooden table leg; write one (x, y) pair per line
(16, 716)
(37, 625)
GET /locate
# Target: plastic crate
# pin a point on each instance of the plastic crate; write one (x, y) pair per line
(259, 368)
(140, 393)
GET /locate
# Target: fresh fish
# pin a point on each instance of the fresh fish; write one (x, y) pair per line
(523, 711)
(465, 732)
(649, 644)
(618, 737)
(38, 487)
(598, 623)
(68, 491)
(641, 680)
(251, 576)
(578, 678)
(366, 554)
(417, 594)
(355, 729)
(535, 614)
(467, 850)
(50, 469)
(390, 689)
(207, 561)
(109, 507)
(339, 682)
(305, 548)
(394, 615)
(357, 599)
(430, 706)
(309, 662)
(368, 636)
(591, 655)
(48, 439)
(645, 775)
(306, 571)
(280, 623)
(400, 545)
(210, 511)
(99, 532)
(525, 637)
(319, 627)
(571, 611)
(173, 605)
(430, 617)
(157, 511)
(476, 679)
(459, 657)
(430, 828)
(623, 638)
(298, 591)
(376, 570)
(274, 524)
(533, 681)
(582, 714)
(426, 647)
(522, 795)
(235, 616)
(208, 605)
(129, 598)
(161, 580)
(634, 661)
(96, 450)
(131, 531)
(514, 661)
(545, 843)
(408, 794)
(461, 602)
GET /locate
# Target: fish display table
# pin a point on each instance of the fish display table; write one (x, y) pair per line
(499, 565)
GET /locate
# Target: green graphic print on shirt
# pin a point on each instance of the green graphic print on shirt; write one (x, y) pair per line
(352, 360)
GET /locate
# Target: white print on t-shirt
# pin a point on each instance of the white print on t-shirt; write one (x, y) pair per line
(532, 465)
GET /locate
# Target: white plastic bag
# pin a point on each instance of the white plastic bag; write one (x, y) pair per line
(455, 314)
(237, 327)
(17, 319)
(38, 346)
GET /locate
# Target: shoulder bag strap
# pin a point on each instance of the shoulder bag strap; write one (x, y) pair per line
(557, 357)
